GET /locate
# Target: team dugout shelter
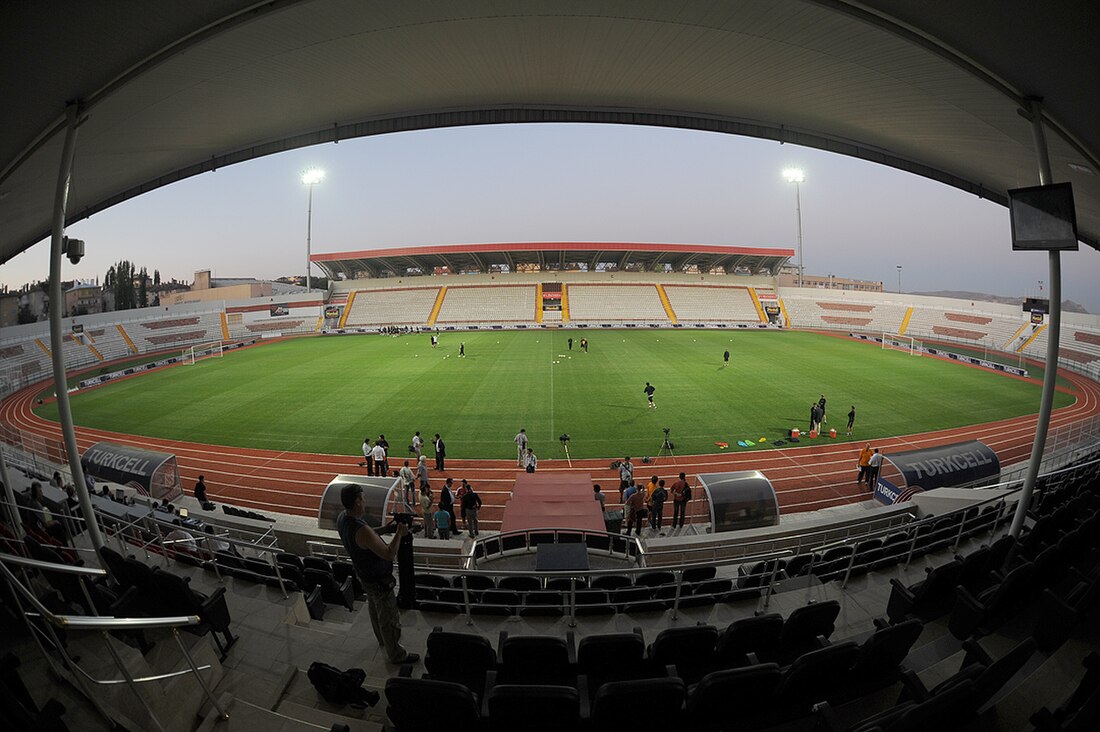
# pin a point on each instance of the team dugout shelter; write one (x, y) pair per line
(376, 498)
(967, 464)
(552, 256)
(150, 473)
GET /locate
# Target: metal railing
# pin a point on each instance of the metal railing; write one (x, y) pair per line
(30, 609)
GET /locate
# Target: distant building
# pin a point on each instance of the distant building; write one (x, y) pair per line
(210, 289)
(788, 277)
(83, 298)
(9, 309)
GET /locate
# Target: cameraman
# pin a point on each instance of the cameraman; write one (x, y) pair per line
(373, 561)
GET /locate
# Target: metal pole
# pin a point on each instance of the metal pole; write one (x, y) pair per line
(798, 209)
(899, 279)
(61, 385)
(309, 239)
(1050, 373)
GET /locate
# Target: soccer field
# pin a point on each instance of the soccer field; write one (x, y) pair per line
(326, 394)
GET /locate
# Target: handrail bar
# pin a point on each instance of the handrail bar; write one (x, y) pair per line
(797, 538)
(39, 564)
(78, 621)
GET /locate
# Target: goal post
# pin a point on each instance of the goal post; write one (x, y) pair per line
(895, 342)
(194, 354)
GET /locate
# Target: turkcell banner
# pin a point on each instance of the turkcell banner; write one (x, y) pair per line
(333, 312)
(153, 474)
(961, 465)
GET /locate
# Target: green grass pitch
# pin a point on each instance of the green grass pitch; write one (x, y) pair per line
(326, 394)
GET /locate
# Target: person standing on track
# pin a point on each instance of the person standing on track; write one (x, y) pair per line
(440, 452)
(864, 462)
(521, 446)
(873, 468)
(368, 456)
(851, 419)
(417, 445)
(626, 476)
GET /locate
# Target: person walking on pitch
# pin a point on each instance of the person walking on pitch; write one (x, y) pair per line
(648, 390)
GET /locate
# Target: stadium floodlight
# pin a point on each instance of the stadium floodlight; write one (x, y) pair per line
(311, 177)
(899, 279)
(797, 176)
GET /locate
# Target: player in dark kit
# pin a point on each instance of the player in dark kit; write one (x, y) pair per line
(851, 418)
(649, 394)
(584, 345)
(462, 350)
(570, 344)
(726, 358)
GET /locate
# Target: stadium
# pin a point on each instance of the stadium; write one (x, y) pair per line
(955, 589)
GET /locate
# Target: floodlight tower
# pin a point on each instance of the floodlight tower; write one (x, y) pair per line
(797, 176)
(899, 279)
(311, 177)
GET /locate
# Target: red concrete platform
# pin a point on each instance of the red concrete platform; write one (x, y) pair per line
(559, 500)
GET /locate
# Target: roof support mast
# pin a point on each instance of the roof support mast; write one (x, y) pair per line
(1033, 113)
(58, 244)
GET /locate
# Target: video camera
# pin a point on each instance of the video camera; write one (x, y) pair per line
(564, 438)
(400, 517)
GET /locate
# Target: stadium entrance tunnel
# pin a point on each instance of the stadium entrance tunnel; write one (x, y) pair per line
(961, 465)
(153, 474)
(743, 499)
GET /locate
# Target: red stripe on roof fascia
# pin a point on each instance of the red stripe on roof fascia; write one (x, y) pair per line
(549, 247)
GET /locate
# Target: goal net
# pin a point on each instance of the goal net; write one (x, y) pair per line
(897, 342)
(192, 355)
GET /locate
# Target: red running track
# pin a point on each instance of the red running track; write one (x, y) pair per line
(806, 478)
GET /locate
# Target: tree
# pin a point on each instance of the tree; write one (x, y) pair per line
(156, 276)
(143, 289)
(25, 315)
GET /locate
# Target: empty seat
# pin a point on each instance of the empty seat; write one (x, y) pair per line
(536, 659)
(733, 698)
(928, 599)
(174, 594)
(565, 584)
(817, 676)
(462, 658)
(803, 627)
(612, 657)
(611, 582)
(413, 705)
(474, 582)
(534, 707)
(879, 662)
(318, 563)
(690, 649)
(758, 635)
(496, 602)
(642, 705)
(654, 579)
(520, 583)
(331, 592)
(543, 603)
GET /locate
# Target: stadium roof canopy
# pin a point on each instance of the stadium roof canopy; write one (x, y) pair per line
(552, 255)
(172, 89)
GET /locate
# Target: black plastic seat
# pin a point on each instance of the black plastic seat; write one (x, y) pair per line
(803, 627)
(700, 574)
(642, 705)
(462, 658)
(318, 563)
(413, 705)
(542, 604)
(496, 602)
(611, 582)
(817, 676)
(880, 656)
(474, 582)
(711, 702)
(331, 592)
(612, 657)
(534, 707)
(175, 594)
(654, 579)
(758, 635)
(520, 583)
(928, 599)
(690, 649)
(536, 659)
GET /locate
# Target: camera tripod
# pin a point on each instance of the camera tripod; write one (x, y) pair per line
(666, 448)
(565, 446)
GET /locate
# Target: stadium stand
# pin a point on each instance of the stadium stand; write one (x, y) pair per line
(486, 304)
(617, 303)
(709, 304)
(379, 308)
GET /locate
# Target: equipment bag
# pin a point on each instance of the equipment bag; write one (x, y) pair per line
(341, 687)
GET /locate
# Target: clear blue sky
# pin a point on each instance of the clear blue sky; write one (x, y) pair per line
(568, 183)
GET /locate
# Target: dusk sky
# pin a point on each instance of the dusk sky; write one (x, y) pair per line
(522, 183)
